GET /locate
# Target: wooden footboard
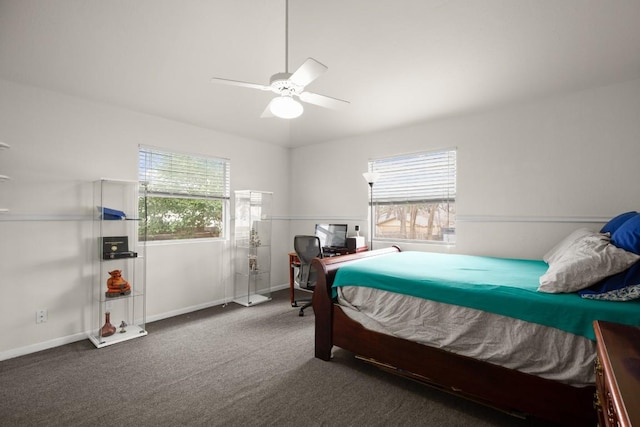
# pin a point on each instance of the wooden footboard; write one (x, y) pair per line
(505, 389)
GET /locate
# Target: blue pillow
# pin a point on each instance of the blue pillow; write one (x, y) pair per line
(627, 236)
(615, 222)
(624, 286)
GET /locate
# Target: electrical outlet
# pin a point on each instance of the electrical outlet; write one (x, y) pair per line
(42, 315)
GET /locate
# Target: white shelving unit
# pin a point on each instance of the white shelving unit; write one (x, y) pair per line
(252, 235)
(4, 146)
(110, 232)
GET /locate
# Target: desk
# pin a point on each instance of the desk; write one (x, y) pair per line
(295, 262)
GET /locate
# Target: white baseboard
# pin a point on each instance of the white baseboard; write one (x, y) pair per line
(45, 345)
(34, 348)
(202, 306)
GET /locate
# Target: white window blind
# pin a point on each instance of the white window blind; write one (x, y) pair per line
(170, 174)
(415, 178)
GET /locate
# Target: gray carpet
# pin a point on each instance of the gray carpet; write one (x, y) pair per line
(222, 366)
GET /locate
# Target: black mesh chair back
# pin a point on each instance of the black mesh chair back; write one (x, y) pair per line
(307, 248)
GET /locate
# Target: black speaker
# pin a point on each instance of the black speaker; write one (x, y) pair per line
(352, 243)
(355, 242)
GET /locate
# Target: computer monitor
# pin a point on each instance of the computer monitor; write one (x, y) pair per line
(332, 235)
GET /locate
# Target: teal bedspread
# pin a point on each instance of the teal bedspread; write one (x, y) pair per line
(503, 286)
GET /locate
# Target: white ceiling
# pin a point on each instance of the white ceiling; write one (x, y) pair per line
(397, 61)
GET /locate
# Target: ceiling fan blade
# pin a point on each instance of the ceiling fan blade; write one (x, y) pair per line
(241, 84)
(323, 100)
(308, 72)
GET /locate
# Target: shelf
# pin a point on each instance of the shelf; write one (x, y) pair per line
(252, 273)
(134, 294)
(252, 231)
(132, 332)
(21, 217)
(253, 299)
(123, 197)
(4, 146)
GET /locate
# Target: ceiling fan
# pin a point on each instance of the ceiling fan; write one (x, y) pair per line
(289, 85)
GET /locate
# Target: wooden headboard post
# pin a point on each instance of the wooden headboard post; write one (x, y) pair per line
(322, 300)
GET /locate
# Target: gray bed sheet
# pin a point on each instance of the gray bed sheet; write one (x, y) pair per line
(512, 343)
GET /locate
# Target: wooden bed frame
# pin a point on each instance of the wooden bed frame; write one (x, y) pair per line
(505, 389)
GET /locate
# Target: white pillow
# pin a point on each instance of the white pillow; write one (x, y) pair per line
(562, 246)
(584, 262)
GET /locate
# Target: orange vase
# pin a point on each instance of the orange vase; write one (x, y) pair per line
(108, 329)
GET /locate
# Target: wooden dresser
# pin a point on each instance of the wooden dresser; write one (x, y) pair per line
(617, 374)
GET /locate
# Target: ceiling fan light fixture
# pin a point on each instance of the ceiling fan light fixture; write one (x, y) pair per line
(285, 107)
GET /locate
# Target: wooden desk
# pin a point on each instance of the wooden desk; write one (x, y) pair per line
(295, 262)
(617, 374)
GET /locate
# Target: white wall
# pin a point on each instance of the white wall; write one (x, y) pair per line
(526, 174)
(59, 145)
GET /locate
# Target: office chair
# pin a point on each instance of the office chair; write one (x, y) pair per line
(307, 248)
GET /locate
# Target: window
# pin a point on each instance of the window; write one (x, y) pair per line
(187, 195)
(414, 197)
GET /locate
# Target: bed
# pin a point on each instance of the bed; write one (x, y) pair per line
(563, 395)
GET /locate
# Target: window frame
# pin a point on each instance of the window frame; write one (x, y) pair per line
(436, 184)
(195, 183)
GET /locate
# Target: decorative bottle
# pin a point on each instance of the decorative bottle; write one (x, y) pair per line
(108, 329)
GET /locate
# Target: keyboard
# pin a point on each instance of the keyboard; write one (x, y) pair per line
(330, 250)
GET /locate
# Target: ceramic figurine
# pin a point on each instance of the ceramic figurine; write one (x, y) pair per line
(116, 285)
